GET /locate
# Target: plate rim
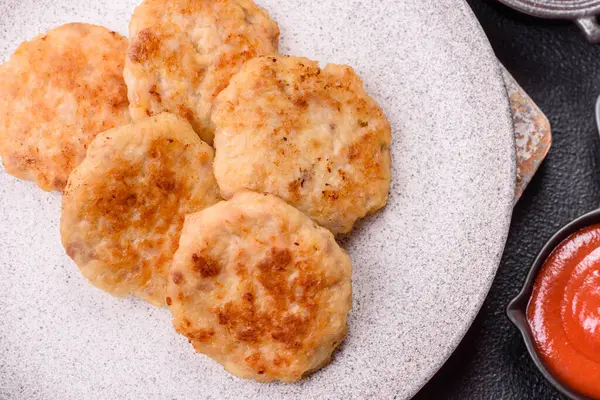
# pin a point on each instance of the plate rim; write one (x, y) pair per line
(482, 295)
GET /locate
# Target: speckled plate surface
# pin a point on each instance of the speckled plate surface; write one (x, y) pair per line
(422, 267)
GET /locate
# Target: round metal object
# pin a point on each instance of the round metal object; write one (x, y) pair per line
(583, 12)
(598, 113)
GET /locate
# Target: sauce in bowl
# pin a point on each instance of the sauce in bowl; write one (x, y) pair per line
(564, 311)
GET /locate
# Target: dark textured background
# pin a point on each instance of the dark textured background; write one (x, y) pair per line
(561, 72)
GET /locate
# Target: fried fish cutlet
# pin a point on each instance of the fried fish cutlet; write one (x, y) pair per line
(124, 205)
(57, 92)
(182, 53)
(260, 288)
(311, 136)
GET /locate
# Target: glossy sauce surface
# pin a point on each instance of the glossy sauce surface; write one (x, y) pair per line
(564, 311)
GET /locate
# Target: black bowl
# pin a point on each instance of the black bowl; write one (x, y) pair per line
(517, 309)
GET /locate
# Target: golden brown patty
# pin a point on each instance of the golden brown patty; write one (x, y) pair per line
(260, 288)
(124, 205)
(183, 53)
(57, 92)
(308, 135)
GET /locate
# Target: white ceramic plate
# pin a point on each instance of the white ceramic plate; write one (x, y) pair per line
(422, 267)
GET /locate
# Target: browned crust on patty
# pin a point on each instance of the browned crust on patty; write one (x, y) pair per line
(124, 206)
(183, 53)
(257, 286)
(311, 136)
(58, 92)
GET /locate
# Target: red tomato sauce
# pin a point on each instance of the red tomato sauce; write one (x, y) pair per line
(564, 312)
